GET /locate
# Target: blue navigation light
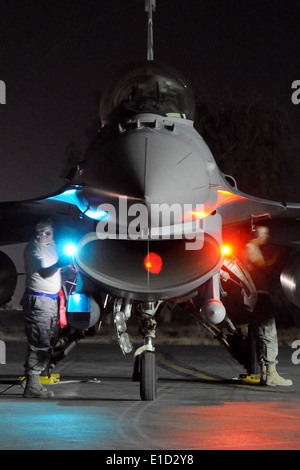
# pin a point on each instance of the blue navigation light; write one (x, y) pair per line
(96, 215)
(75, 197)
(69, 196)
(70, 249)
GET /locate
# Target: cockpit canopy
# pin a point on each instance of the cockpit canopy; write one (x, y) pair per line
(147, 87)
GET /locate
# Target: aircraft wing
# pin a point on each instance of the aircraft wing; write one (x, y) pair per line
(236, 207)
(242, 211)
(17, 219)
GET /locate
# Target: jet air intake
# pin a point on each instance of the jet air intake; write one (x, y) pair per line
(147, 270)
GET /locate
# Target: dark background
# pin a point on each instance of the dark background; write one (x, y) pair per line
(55, 56)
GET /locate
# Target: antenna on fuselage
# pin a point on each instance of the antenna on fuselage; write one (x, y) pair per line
(150, 7)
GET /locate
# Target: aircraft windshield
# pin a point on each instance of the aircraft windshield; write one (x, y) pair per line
(147, 87)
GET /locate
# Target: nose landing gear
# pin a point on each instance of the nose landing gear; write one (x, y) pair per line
(145, 360)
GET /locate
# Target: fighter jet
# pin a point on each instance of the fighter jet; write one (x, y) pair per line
(148, 210)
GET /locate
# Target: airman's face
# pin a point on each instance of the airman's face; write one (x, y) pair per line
(45, 235)
(264, 234)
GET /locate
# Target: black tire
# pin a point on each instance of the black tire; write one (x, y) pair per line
(148, 376)
(136, 376)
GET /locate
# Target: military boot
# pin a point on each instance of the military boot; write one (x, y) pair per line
(273, 378)
(23, 382)
(34, 389)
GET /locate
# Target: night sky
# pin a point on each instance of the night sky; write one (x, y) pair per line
(56, 54)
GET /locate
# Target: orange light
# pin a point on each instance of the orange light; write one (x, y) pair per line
(153, 263)
(226, 250)
(199, 215)
(226, 197)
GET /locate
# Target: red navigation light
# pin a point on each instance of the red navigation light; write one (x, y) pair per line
(226, 250)
(153, 263)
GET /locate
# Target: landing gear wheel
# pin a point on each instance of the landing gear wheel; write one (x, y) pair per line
(136, 376)
(148, 376)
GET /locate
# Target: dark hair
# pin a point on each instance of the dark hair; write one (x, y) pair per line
(43, 222)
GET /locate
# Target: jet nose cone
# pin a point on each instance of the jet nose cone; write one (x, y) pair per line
(149, 158)
(115, 164)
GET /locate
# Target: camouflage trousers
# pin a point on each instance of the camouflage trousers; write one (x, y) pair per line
(265, 333)
(41, 328)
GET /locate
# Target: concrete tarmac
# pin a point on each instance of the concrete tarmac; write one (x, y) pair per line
(200, 404)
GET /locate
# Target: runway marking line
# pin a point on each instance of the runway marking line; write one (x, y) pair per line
(162, 359)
